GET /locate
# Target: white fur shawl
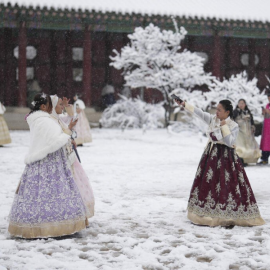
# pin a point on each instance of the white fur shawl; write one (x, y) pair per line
(46, 136)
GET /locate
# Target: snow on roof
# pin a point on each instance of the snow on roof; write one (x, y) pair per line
(248, 10)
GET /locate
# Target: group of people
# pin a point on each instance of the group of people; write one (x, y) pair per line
(82, 128)
(246, 146)
(54, 196)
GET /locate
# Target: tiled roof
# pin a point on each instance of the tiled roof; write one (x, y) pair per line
(247, 10)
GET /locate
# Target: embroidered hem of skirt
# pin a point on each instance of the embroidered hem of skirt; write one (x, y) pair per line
(47, 230)
(213, 222)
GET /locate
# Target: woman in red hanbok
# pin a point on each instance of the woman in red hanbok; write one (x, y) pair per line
(221, 194)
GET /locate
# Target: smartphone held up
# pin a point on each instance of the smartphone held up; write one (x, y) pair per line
(176, 98)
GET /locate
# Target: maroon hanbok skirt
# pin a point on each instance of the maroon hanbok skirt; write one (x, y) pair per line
(221, 194)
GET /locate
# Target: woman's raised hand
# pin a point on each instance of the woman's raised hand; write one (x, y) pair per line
(72, 124)
(65, 102)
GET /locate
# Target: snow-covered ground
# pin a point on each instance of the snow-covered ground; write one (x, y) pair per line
(141, 184)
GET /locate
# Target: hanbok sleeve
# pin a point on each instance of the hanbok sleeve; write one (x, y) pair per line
(229, 136)
(64, 122)
(205, 116)
(69, 109)
(67, 131)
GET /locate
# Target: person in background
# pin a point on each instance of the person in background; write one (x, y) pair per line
(246, 146)
(80, 177)
(82, 127)
(265, 140)
(33, 88)
(107, 94)
(4, 132)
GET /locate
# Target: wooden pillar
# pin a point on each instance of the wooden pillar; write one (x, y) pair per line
(22, 84)
(9, 78)
(2, 65)
(69, 75)
(216, 57)
(53, 63)
(108, 43)
(87, 66)
(251, 61)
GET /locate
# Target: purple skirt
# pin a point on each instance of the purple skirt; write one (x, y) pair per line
(47, 202)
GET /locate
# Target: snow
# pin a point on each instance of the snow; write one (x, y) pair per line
(222, 9)
(141, 184)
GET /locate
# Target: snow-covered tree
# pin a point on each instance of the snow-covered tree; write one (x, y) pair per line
(133, 113)
(235, 88)
(153, 59)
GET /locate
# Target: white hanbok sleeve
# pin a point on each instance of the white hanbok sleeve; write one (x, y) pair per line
(205, 116)
(222, 133)
(70, 110)
(229, 136)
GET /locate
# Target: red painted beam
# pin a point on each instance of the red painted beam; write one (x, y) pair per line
(216, 58)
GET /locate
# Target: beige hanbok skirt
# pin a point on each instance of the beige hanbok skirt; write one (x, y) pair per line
(4, 132)
(246, 146)
(83, 129)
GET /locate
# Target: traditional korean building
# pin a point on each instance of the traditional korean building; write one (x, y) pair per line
(64, 47)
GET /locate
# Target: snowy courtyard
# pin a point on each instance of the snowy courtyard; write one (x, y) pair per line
(141, 184)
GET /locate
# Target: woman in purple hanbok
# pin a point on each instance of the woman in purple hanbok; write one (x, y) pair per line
(78, 172)
(221, 194)
(47, 202)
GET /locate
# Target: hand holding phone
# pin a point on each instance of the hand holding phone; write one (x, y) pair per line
(73, 122)
(175, 97)
(75, 118)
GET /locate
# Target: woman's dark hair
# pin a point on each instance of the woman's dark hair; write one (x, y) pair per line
(227, 105)
(246, 109)
(40, 99)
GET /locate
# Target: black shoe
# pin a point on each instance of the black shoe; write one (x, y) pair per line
(230, 227)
